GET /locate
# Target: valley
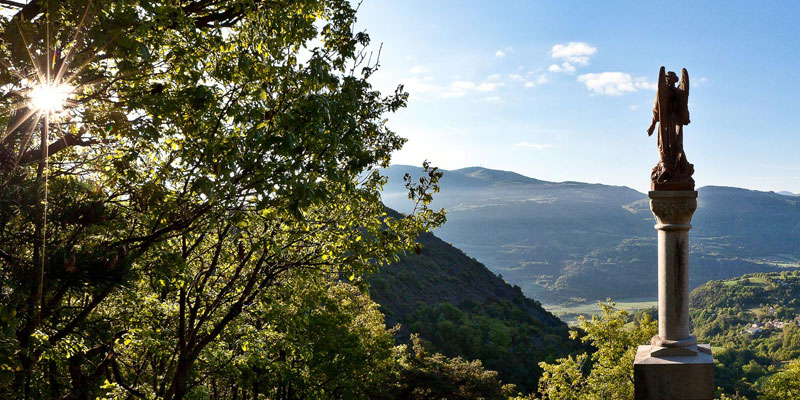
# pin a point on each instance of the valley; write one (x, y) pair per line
(576, 243)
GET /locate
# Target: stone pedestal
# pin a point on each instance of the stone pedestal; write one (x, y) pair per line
(674, 377)
(674, 366)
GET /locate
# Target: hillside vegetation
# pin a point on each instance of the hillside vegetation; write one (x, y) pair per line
(752, 321)
(462, 309)
(569, 240)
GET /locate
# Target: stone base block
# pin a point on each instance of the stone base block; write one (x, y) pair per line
(674, 377)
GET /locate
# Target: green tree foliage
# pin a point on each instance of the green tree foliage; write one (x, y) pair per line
(784, 384)
(460, 308)
(307, 338)
(723, 310)
(608, 372)
(426, 376)
(212, 154)
(501, 334)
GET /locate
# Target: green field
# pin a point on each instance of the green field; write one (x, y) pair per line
(570, 313)
(751, 281)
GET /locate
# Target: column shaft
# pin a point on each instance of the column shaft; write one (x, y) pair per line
(673, 284)
(673, 212)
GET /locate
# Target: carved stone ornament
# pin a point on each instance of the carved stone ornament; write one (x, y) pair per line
(673, 208)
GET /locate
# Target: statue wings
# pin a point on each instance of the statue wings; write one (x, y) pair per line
(684, 97)
(663, 99)
(684, 86)
(666, 99)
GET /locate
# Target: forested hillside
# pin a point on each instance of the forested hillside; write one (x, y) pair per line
(752, 322)
(462, 309)
(576, 240)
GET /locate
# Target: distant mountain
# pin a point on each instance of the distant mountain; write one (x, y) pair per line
(463, 309)
(785, 193)
(576, 240)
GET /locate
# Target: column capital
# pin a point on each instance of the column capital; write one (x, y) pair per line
(673, 209)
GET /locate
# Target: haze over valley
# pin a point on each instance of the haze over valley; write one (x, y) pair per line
(573, 242)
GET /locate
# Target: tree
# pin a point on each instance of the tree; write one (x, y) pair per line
(308, 338)
(423, 376)
(503, 335)
(784, 384)
(610, 373)
(208, 154)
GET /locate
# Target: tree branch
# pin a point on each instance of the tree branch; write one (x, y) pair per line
(69, 140)
(82, 315)
(28, 11)
(12, 3)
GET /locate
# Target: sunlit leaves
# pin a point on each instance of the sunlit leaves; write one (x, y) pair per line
(610, 375)
(218, 150)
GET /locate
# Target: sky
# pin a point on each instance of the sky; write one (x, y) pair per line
(563, 90)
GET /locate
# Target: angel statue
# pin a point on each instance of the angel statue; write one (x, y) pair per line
(671, 109)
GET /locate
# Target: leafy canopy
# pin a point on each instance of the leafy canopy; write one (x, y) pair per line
(209, 153)
(608, 372)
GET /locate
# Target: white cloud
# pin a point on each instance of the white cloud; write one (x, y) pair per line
(462, 85)
(416, 85)
(420, 85)
(699, 82)
(634, 107)
(565, 67)
(457, 89)
(461, 88)
(503, 52)
(492, 98)
(515, 77)
(573, 52)
(487, 86)
(540, 80)
(643, 83)
(417, 69)
(456, 130)
(535, 146)
(615, 83)
(608, 83)
(452, 93)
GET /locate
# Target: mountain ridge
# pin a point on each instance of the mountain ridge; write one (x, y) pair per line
(563, 240)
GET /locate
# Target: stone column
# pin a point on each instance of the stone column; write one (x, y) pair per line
(673, 211)
(674, 366)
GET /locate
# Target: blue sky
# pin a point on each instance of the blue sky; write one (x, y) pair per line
(562, 90)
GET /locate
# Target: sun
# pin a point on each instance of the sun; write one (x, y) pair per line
(49, 98)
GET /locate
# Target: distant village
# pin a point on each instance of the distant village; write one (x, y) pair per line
(759, 328)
